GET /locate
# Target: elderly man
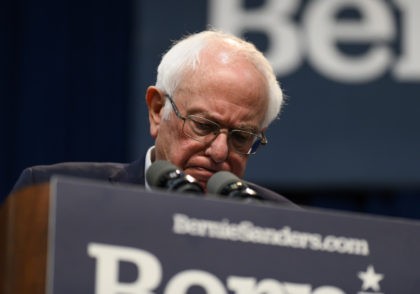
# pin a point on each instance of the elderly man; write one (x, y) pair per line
(214, 97)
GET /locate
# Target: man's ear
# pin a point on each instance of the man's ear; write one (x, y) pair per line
(155, 101)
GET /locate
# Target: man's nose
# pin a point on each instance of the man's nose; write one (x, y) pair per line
(218, 149)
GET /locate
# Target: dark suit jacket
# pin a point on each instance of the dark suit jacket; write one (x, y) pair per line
(132, 173)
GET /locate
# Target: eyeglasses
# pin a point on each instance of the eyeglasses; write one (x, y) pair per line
(204, 130)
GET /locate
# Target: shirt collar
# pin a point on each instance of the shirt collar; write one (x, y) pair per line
(147, 164)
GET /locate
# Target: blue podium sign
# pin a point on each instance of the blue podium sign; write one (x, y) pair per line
(123, 239)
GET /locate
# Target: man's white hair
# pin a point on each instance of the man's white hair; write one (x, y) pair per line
(185, 54)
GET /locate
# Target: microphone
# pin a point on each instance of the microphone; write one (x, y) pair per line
(227, 184)
(164, 174)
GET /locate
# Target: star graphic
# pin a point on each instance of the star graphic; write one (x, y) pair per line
(370, 279)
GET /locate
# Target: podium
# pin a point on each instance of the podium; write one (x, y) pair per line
(23, 241)
(79, 236)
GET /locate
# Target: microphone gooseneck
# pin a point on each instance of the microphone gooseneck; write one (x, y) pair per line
(227, 184)
(165, 175)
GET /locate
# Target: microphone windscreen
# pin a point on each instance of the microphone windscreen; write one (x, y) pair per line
(164, 174)
(157, 171)
(220, 180)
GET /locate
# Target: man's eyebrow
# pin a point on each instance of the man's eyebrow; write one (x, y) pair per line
(242, 127)
(247, 127)
(205, 114)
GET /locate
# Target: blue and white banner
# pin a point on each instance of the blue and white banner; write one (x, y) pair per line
(120, 239)
(350, 70)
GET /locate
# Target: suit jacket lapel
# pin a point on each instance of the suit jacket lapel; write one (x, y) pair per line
(132, 173)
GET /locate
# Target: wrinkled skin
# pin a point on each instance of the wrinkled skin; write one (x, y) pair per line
(225, 89)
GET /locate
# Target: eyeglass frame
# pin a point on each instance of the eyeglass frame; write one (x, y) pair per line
(261, 139)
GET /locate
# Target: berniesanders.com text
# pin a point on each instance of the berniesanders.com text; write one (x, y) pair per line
(246, 231)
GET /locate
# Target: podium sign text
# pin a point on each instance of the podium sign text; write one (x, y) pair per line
(118, 239)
